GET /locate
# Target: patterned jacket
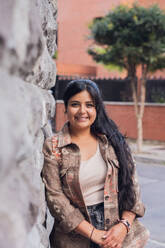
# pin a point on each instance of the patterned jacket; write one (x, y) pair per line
(65, 200)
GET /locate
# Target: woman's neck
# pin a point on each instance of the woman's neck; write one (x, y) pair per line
(80, 133)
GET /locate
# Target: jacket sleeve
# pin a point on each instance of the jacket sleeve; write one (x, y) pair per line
(68, 216)
(138, 208)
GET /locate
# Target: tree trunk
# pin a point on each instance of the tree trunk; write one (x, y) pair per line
(141, 109)
(139, 105)
(139, 133)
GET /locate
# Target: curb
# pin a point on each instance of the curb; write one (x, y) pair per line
(149, 160)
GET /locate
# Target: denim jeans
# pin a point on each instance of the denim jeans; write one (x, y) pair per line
(96, 213)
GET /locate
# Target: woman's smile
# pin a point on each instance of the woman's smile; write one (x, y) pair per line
(81, 118)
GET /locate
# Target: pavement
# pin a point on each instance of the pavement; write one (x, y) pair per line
(152, 182)
(153, 153)
(151, 170)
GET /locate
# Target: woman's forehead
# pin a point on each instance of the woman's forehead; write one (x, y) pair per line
(82, 96)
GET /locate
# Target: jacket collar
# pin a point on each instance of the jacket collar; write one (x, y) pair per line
(64, 137)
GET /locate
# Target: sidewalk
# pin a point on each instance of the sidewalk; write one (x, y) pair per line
(151, 153)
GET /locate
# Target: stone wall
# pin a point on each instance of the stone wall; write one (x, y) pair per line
(27, 72)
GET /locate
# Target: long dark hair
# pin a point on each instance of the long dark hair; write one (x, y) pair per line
(104, 125)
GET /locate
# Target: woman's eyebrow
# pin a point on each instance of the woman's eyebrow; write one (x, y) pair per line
(79, 101)
(74, 101)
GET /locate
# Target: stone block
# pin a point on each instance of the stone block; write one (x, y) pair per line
(27, 71)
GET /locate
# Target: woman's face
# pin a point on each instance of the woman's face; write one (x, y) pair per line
(81, 111)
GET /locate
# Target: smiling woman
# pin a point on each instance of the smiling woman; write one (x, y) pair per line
(81, 114)
(90, 177)
(81, 111)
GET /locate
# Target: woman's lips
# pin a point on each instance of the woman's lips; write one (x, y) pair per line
(81, 118)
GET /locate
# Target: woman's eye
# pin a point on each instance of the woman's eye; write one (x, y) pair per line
(90, 105)
(75, 104)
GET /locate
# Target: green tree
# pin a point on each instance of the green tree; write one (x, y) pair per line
(131, 38)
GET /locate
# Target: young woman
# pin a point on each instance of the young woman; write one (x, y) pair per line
(90, 177)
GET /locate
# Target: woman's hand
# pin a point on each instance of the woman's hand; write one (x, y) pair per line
(115, 236)
(97, 236)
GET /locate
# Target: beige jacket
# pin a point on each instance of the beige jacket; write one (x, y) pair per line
(64, 197)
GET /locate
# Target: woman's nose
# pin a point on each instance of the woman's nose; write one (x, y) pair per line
(82, 108)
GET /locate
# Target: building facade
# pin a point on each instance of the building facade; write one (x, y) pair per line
(73, 20)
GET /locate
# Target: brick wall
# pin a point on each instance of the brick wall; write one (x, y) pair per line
(73, 20)
(123, 115)
(72, 69)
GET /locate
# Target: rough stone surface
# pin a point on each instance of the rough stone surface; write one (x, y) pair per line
(44, 71)
(27, 71)
(49, 25)
(21, 36)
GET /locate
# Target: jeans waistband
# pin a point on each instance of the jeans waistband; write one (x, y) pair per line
(95, 206)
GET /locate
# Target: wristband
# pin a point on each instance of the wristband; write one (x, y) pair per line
(126, 223)
(91, 233)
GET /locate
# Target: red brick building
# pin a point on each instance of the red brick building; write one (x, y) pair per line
(73, 20)
(74, 17)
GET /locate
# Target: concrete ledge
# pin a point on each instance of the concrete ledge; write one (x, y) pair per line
(143, 159)
(132, 104)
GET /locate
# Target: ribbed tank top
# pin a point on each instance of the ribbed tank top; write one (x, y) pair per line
(92, 178)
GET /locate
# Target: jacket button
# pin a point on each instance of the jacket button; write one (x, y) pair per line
(106, 197)
(64, 151)
(107, 221)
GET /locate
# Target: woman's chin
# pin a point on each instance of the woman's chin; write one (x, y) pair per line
(81, 125)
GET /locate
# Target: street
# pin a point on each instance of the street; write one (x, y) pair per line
(152, 181)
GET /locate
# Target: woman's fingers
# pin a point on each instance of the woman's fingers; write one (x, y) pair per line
(114, 237)
(112, 245)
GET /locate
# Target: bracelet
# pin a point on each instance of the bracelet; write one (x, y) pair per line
(91, 233)
(126, 223)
